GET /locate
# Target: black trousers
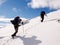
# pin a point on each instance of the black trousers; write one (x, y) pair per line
(16, 30)
(42, 17)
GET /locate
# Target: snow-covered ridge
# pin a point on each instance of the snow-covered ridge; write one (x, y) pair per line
(34, 32)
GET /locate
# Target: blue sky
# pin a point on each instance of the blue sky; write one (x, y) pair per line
(12, 8)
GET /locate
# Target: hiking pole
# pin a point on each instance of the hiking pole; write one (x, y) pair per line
(23, 27)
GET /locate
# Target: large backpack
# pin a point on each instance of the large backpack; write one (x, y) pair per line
(12, 21)
(15, 22)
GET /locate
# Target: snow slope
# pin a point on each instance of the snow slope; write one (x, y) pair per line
(35, 32)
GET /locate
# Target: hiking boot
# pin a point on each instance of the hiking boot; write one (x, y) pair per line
(41, 20)
(13, 36)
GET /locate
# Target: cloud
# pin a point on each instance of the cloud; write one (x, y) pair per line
(2, 1)
(16, 10)
(53, 4)
(4, 19)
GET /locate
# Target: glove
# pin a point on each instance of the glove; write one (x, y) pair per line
(22, 23)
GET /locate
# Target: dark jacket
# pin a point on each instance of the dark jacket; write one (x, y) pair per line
(42, 14)
(16, 21)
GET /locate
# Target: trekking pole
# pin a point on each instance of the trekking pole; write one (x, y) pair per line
(23, 27)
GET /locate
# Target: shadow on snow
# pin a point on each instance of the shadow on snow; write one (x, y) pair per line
(29, 41)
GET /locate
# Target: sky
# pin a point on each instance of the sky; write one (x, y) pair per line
(26, 8)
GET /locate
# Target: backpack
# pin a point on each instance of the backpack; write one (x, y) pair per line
(12, 21)
(15, 22)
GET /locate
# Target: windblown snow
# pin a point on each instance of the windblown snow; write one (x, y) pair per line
(34, 32)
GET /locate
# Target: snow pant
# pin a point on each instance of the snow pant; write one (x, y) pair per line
(16, 30)
(42, 17)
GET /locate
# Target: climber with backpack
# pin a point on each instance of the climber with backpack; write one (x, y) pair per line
(16, 22)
